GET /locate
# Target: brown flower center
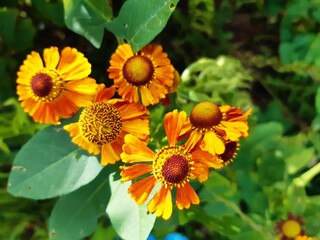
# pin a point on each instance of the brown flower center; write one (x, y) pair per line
(138, 70)
(175, 169)
(173, 166)
(231, 148)
(41, 84)
(100, 123)
(205, 114)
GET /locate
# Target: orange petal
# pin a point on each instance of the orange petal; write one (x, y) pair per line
(85, 86)
(51, 57)
(104, 93)
(128, 92)
(135, 171)
(73, 65)
(108, 155)
(207, 159)
(65, 107)
(137, 127)
(79, 140)
(194, 138)
(173, 123)
(200, 171)
(147, 97)
(135, 150)
(141, 189)
(161, 203)
(186, 196)
(132, 110)
(79, 99)
(212, 143)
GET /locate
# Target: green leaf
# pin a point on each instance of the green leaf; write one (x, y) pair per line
(130, 220)
(8, 16)
(140, 21)
(87, 18)
(75, 215)
(50, 165)
(299, 160)
(317, 101)
(50, 10)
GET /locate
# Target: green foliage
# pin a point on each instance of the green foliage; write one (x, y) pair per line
(87, 18)
(124, 212)
(221, 80)
(140, 27)
(248, 53)
(75, 215)
(49, 166)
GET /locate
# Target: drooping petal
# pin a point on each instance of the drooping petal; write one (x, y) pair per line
(104, 93)
(186, 196)
(161, 203)
(194, 138)
(135, 150)
(137, 127)
(133, 110)
(173, 123)
(77, 138)
(200, 171)
(212, 143)
(134, 171)
(108, 155)
(141, 189)
(207, 159)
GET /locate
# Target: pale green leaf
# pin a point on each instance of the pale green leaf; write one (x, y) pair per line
(130, 220)
(50, 165)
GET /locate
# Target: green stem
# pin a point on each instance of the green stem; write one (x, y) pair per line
(306, 177)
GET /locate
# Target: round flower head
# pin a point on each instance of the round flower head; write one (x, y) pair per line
(56, 86)
(289, 228)
(213, 126)
(103, 125)
(148, 73)
(173, 166)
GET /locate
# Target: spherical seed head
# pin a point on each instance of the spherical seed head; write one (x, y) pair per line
(175, 169)
(138, 70)
(205, 114)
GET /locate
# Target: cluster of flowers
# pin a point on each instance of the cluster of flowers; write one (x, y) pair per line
(118, 127)
(291, 228)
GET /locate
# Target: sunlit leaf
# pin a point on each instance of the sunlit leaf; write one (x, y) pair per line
(75, 215)
(50, 165)
(140, 21)
(130, 220)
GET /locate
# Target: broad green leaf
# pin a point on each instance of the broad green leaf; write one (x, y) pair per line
(130, 220)
(87, 18)
(140, 21)
(75, 215)
(50, 165)
(299, 160)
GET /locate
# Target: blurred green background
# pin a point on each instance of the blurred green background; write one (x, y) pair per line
(248, 53)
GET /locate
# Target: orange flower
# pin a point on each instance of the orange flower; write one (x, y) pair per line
(103, 125)
(56, 86)
(289, 228)
(172, 166)
(148, 71)
(212, 126)
(304, 237)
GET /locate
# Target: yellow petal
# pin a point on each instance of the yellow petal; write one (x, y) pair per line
(141, 189)
(51, 57)
(173, 123)
(212, 143)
